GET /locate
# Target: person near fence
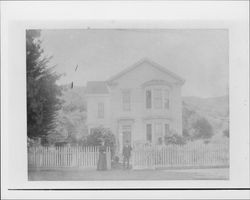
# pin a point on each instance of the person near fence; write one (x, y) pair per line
(126, 152)
(102, 161)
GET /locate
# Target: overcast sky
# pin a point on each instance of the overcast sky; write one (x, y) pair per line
(199, 56)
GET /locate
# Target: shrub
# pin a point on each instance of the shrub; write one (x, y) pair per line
(206, 141)
(99, 134)
(71, 139)
(202, 129)
(185, 133)
(44, 141)
(33, 142)
(174, 139)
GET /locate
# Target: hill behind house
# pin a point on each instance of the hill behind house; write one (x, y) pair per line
(215, 110)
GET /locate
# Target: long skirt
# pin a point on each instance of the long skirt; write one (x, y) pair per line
(102, 162)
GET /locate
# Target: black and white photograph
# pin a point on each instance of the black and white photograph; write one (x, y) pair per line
(122, 99)
(127, 104)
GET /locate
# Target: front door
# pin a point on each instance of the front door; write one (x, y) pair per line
(126, 134)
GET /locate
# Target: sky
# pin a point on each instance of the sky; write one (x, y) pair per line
(198, 56)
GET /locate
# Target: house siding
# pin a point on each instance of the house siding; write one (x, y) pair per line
(92, 111)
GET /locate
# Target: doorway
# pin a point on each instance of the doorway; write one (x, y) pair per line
(126, 134)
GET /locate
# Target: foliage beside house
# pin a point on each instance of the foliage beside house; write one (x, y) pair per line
(42, 90)
(71, 119)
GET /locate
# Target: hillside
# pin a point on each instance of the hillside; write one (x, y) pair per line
(215, 110)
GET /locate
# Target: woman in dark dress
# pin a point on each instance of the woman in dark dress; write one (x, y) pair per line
(102, 161)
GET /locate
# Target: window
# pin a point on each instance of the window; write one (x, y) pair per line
(166, 127)
(100, 110)
(157, 98)
(149, 132)
(166, 99)
(148, 99)
(126, 100)
(158, 133)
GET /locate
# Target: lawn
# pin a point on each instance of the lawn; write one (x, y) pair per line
(88, 175)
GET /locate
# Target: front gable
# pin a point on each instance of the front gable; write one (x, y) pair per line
(143, 71)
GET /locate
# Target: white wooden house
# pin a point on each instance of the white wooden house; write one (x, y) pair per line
(140, 104)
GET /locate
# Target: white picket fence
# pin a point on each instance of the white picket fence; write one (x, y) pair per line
(65, 157)
(180, 156)
(143, 157)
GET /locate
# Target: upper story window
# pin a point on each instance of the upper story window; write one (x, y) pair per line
(126, 100)
(148, 99)
(158, 97)
(100, 112)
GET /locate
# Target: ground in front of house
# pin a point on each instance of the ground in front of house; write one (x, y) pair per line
(93, 175)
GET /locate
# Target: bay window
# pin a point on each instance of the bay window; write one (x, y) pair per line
(149, 132)
(158, 133)
(158, 97)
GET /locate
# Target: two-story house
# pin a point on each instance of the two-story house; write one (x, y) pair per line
(140, 104)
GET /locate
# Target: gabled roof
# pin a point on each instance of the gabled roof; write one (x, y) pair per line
(97, 87)
(153, 64)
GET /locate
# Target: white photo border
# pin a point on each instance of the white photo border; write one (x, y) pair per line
(19, 16)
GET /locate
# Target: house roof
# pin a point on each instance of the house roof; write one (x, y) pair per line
(97, 87)
(154, 64)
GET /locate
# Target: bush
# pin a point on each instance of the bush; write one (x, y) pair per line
(71, 139)
(185, 133)
(202, 129)
(175, 139)
(99, 134)
(33, 142)
(206, 141)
